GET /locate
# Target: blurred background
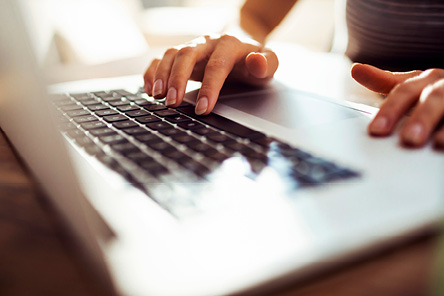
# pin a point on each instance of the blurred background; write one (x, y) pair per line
(80, 39)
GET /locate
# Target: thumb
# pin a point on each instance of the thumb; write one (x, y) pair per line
(379, 80)
(261, 66)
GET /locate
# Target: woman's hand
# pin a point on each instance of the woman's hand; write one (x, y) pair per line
(423, 89)
(212, 60)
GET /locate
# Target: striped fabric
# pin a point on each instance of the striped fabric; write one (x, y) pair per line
(396, 34)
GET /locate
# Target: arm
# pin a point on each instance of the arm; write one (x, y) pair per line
(260, 17)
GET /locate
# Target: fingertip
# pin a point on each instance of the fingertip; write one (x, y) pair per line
(257, 64)
(202, 107)
(379, 127)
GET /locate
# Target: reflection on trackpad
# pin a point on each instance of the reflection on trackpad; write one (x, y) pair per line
(287, 107)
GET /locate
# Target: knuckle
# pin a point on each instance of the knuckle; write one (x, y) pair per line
(434, 73)
(170, 52)
(228, 38)
(436, 91)
(405, 87)
(185, 51)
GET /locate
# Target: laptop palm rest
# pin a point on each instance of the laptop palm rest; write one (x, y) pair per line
(283, 106)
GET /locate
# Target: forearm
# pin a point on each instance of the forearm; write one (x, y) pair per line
(258, 18)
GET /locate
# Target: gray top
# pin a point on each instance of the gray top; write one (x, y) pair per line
(396, 34)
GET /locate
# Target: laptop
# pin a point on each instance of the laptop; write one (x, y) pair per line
(275, 186)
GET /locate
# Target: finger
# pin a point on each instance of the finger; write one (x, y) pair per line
(219, 65)
(183, 66)
(148, 76)
(400, 100)
(261, 65)
(438, 139)
(426, 117)
(163, 72)
(379, 80)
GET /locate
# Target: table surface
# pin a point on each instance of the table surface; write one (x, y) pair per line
(37, 256)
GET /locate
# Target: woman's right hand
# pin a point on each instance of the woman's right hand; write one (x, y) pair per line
(212, 60)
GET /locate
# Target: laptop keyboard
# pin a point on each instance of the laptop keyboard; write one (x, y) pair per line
(156, 148)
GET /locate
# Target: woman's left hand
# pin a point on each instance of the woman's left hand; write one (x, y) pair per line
(404, 90)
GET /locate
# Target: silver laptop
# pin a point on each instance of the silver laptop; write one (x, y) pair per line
(273, 187)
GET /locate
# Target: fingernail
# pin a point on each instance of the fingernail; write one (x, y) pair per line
(158, 87)
(379, 125)
(414, 134)
(171, 96)
(201, 106)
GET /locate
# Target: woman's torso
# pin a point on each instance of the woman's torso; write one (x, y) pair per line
(396, 34)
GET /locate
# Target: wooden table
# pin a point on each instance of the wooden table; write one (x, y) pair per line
(37, 257)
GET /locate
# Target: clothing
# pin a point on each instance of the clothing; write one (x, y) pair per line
(396, 34)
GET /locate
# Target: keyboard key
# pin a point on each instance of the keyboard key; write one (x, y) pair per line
(113, 139)
(135, 130)
(148, 138)
(102, 132)
(126, 108)
(137, 113)
(223, 123)
(195, 167)
(87, 118)
(220, 138)
(147, 119)
(84, 141)
(191, 125)
(93, 150)
(143, 102)
(106, 112)
(178, 118)
(125, 124)
(176, 155)
(153, 167)
(186, 139)
(138, 156)
(110, 98)
(167, 112)
(89, 102)
(97, 107)
(172, 132)
(159, 125)
(124, 147)
(118, 103)
(201, 147)
(114, 118)
(93, 125)
(204, 131)
(154, 107)
(264, 141)
(73, 134)
(75, 113)
(161, 147)
(239, 147)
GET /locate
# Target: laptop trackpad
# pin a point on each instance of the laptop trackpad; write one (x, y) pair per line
(287, 107)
